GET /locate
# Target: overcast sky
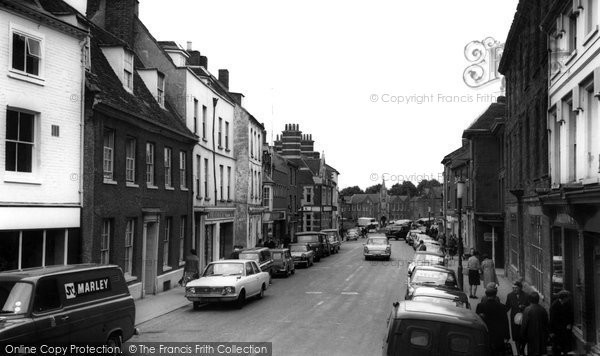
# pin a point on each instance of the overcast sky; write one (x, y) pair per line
(330, 66)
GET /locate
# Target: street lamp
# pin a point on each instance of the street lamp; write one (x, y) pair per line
(460, 190)
(429, 216)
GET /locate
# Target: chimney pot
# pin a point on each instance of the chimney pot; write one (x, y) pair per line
(189, 45)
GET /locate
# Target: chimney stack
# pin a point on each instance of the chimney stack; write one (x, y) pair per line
(224, 77)
(118, 17)
(204, 62)
(189, 45)
(194, 58)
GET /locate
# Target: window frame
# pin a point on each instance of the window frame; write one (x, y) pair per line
(150, 165)
(37, 36)
(105, 236)
(128, 247)
(182, 170)
(168, 167)
(34, 146)
(128, 69)
(166, 241)
(182, 230)
(160, 89)
(108, 172)
(130, 159)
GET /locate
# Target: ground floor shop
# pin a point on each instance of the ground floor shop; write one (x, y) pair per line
(213, 234)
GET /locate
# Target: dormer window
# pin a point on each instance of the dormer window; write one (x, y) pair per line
(128, 70)
(160, 89)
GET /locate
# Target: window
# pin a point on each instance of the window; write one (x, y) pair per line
(128, 258)
(221, 181)
(105, 242)
(160, 90)
(572, 32)
(168, 170)
(26, 53)
(591, 16)
(150, 164)
(182, 170)
(537, 274)
(166, 241)
(206, 195)
(252, 185)
(308, 193)
(258, 185)
(258, 144)
(130, 149)
(198, 176)
(204, 122)
(182, 227)
(195, 116)
(128, 70)
(229, 183)
(20, 140)
(266, 196)
(109, 151)
(47, 296)
(514, 243)
(251, 143)
(226, 135)
(220, 133)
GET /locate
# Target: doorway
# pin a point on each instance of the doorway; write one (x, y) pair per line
(150, 254)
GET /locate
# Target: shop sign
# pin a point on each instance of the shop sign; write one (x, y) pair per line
(220, 214)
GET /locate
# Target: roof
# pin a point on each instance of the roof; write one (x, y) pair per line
(440, 313)
(360, 198)
(45, 11)
(110, 90)
(305, 233)
(485, 121)
(35, 272)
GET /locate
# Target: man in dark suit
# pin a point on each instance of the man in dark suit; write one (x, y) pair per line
(493, 314)
(535, 326)
(561, 324)
(516, 301)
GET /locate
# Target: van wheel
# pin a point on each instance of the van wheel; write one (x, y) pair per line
(196, 305)
(239, 303)
(115, 341)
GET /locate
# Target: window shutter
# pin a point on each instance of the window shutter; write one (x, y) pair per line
(576, 107)
(559, 117)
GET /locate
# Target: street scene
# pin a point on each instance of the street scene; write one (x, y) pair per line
(365, 178)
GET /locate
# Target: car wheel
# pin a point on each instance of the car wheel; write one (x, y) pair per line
(262, 291)
(287, 273)
(294, 270)
(115, 342)
(239, 303)
(196, 305)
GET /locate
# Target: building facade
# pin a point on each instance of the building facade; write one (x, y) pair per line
(41, 81)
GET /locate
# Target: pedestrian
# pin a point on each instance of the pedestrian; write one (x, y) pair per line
(493, 314)
(422, 246)
(490, 286)
(516, 301)
(534, 329)
(452, 246)
(191, 269)
(474, 268)
(489, 271)
(561, 323)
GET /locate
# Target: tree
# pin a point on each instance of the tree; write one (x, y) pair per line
(427, 184)
(373, 189)
(350, 191)
(396, 189)
(408, 188)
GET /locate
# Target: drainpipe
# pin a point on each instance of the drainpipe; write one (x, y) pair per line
(215, 100)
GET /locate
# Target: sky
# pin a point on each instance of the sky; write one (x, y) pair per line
(379, 84)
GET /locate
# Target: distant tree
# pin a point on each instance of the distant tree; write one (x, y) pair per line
(427, 184)
(408, 188)
(373, 189)
(396, 189)
(350, 191)
(434, 183)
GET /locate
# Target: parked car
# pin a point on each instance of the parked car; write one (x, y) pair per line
(283, 263)
(411, 236)
(315, 239)
(420, 328)
(434, 295)
(432, 276)
(352, 234)
(333, 235)
(88, 303)
(397, 231)
(377, 246)
(262, 256)
(228, 281)
(426, 258)
(302, 254)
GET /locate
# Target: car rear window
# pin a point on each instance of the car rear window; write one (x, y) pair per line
(459, 343)
(249, 256)
(308, 238)
(277, 256)
(377, 242)
(420, 337)
(435, 277)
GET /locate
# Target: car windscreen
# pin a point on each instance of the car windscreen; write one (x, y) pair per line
(426, 258)
(15, 297)
(308, 238)
(377, 242)
(298, 248)
(249, 256)
(224, 269)
(444, 301)
(438, 278)
(277, 255)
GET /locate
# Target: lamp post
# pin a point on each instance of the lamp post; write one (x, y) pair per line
(460, 189)
(429, 216)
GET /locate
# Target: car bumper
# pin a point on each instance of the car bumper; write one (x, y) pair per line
(300, 262)
(377, 254)
(211, 298)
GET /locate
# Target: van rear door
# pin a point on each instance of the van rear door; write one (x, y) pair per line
(457, 340)
(413, 338)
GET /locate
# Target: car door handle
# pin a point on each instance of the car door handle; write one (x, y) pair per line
(64, 318)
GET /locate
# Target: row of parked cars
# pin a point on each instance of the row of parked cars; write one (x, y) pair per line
(435, 317)
(249, 275)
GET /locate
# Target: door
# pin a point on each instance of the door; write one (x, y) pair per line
(51, 322)
(150, 254)
(251, 280)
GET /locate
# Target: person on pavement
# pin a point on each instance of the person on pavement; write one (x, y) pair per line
(422, 246)
(474, 268)
(516, 301)
(561, 323)
(490, 286)
(191, 269)
(493, 314)
(489, 271)
(535, 326)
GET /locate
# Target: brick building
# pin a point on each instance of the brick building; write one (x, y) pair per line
(524, 65)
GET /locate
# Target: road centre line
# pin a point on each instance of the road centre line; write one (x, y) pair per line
(314, 292)
(353, 273)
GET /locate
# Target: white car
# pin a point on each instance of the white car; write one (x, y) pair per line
(377, 246)
(228, 281)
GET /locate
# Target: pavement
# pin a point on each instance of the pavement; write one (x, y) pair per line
(153, 306)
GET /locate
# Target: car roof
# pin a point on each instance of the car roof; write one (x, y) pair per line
(304, 233)
(438, 292)
(437, 254)
(377, 235)
(329, 230)
(280, 249)
(254, 249)
(434, 268)
(37, 272)
(231, 261)
(409, 309)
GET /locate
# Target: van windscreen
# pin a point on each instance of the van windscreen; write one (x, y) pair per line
(15, 297)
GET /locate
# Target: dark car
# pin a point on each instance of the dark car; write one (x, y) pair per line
(283, 263)
(333, 235)
(397, 232)
(420, 328)
(262, 256)
(435, 295)
(431, 276)
(302, 254)
(86, 303)
(315, 239)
